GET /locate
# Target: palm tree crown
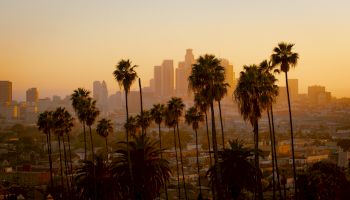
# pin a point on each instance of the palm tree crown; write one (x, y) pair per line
(193, 117)
(157, 113)
(125, 74)
(175, 107)
(104, 127)
(283, 56)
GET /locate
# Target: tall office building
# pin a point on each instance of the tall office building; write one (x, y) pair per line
(183, 72)
(5, 92)
(32, 95)
(293, 89)
(167, 79)
(100, 94)
(318, 95)
(229, 77)
(157, 77)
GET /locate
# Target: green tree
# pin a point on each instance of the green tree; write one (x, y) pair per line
(284, 57)
(193, 117)
(237, 170)
(206, 73)
(253, 95)
(125, 75)
(149, 170)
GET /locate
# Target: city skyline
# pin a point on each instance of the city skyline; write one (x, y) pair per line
(43, 43)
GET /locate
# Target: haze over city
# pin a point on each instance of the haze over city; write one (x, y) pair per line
(62, 45)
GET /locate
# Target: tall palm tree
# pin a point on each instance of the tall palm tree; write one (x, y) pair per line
(45, 124)
(144, 120)
(202, 104)
(176, 107)
(149, 170)
(68, 125)
(205, 74)
(104, 128)
(79, 100)
(157, 114)
(91, 114)
(220, 92)
(266, 67)
(285, 58)
(237, 169)
(63, 124)
(193, 117)
(253, 95)
(125, 75)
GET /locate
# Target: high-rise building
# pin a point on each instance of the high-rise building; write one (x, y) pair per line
(100, 94)
(318, 95)
(229, 77)
(293, 89)
(167, 79)
(5, 92)
(32, 95)
(183, 72)
(157, 76)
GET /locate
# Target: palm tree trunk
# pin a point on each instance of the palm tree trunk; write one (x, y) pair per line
(210, 159)
(292, 139)
(161, 156)
(140, 88)
(65, 164)
(275, 152)
(182, 164)
(93, 163)
(222, 127)
(70, 159)
(216, 156)
(256, 157)
(85, 155)
(177, 166)
(59, 149)
(106, 148)
(272, 157)
(133, 194)
(48, 138)
(199, 179)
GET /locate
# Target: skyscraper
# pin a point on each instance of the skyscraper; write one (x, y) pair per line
(100, 94)
(229, 77)
(167, 79)
(32, 95)
(5, 92)
(293, 89)
(182, 73)
(157, 76)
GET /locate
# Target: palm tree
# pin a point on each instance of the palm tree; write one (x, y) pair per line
(254, 93)
(84, 176)
(63, 124)
(237, 169)
(45, 124)
(68, 125)
(132, 126)
(205, 74)
(220, 92)
(125, 75)
(104, 128)
(149, 170)
(144, 120)
(266, 67)
(157, 114)
(79, 98)
(176, 107)
(193, 117)
(202, 104)
(91, 114)
(286, 58)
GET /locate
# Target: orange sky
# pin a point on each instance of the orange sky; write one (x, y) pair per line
(59, 46)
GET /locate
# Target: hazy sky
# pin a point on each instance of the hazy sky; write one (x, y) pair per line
(58, 46)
